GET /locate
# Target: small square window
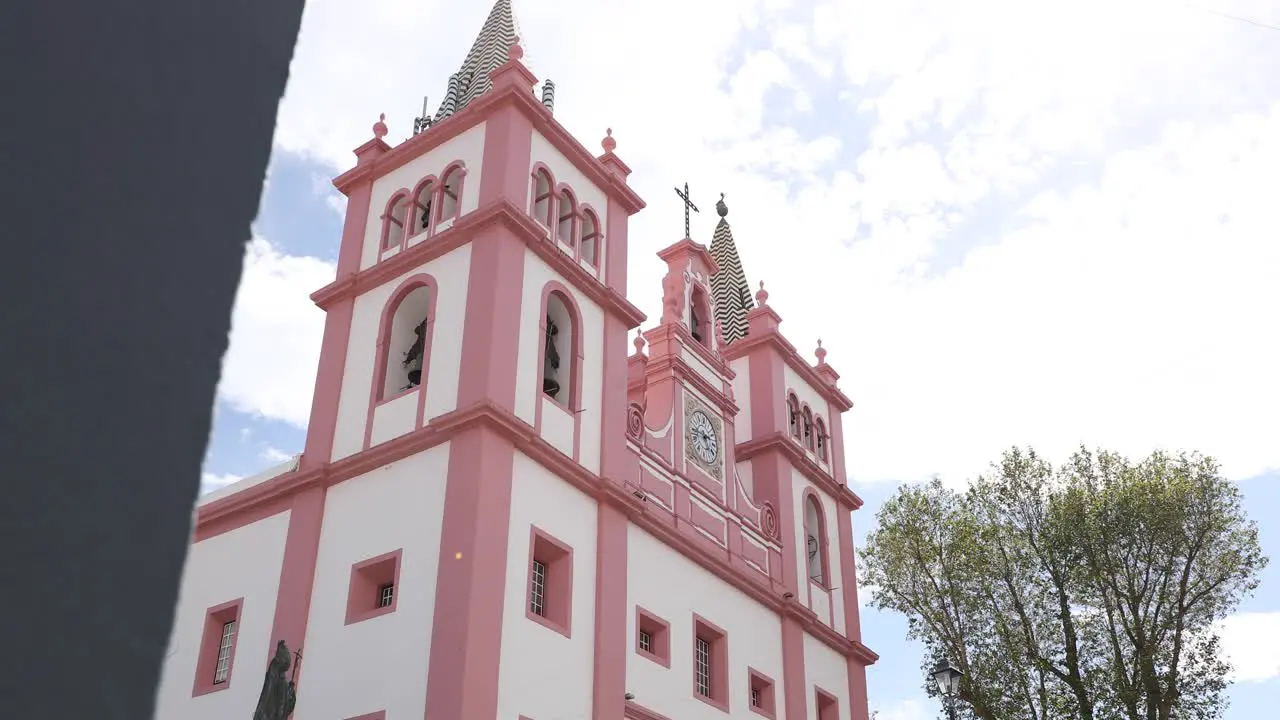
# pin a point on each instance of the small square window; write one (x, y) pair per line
(653, 637)
(550, 592)
(762, 694)
(372, 592)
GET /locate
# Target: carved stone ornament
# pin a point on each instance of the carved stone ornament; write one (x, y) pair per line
(694, 442)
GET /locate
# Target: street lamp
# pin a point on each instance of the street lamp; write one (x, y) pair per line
(948, 680)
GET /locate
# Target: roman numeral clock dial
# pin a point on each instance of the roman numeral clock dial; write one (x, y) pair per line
(703, 436)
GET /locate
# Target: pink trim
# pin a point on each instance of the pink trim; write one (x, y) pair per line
(585, 211)
(459, 168)
(609, 680)
(297, 572)
(367, 579)
(849, 577)
(793, 669)
(763, 684)
(211, 643)
(806, 498)
(573, 403)
(557, 557)
(825, 705)
(635, 711)
(382, 353)
(793, 414)
(388, 219)
(659, 631)
(719, 657)
(820, 433)
(379, 715)
(540, 168)
(415, 226)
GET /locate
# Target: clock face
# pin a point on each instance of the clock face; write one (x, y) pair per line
(702, 435)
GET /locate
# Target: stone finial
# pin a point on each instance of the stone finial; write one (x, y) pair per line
(821, 353)
(516, 52)
(762, 296)
(721, 209)
(380, 127)
(608, 143)
(639, 343)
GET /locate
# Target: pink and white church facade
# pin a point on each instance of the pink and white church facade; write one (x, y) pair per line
(507, 508)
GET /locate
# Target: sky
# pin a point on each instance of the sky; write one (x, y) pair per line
(1010, 222)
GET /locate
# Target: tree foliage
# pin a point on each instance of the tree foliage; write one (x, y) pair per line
(1084, 592)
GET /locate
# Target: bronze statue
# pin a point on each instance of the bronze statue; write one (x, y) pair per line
(278, 694)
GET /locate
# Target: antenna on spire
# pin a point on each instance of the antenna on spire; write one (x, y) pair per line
(423, 122)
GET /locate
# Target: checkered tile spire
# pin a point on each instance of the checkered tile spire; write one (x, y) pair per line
(729, 286)
(488, 52)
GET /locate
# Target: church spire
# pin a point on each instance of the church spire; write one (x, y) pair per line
(489, 52)
(729, 285)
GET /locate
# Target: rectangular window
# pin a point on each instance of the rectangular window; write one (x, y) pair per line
(550, 601)
(710, 662)
(223, 666)
(386, 594)
(646, 642)
(538, 593)
(216, 658)
(702, 666)
(827, 705)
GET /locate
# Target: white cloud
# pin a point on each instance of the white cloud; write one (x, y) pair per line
(270, 367)
(210, 482)
(1090, 153)
(274, 455)
(1249, 640)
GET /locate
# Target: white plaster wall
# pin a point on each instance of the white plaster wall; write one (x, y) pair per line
(395, 418)
(566, 172)
(799, 483)
(528, 382)
(543, 674)
(742, 396)
(377, 664)
(825, 668)
(467, 147)
(452, 274)
(244, 563)
(667, 584)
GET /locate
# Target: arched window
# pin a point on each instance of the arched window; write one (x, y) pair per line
(590, 237)
(793, 414)
(394, 221)
(404, 345)
(808, 429)
(699, 316)
(815, 541)
(560, 350)
(542, 192)
(450, 194)
(422, 201)
(820, 436)
(568, 214)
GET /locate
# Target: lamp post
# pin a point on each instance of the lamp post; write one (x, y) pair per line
(948, 680)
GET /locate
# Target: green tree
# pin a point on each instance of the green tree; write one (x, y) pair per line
(1085, 592)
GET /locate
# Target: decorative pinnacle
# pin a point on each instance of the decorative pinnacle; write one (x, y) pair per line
(762, 296)
(639, 343)
(821, 353)
(608, 143)
(516, 52)
(380, 127)
(721, 209)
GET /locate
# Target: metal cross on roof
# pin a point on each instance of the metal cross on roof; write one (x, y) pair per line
(688, 205)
